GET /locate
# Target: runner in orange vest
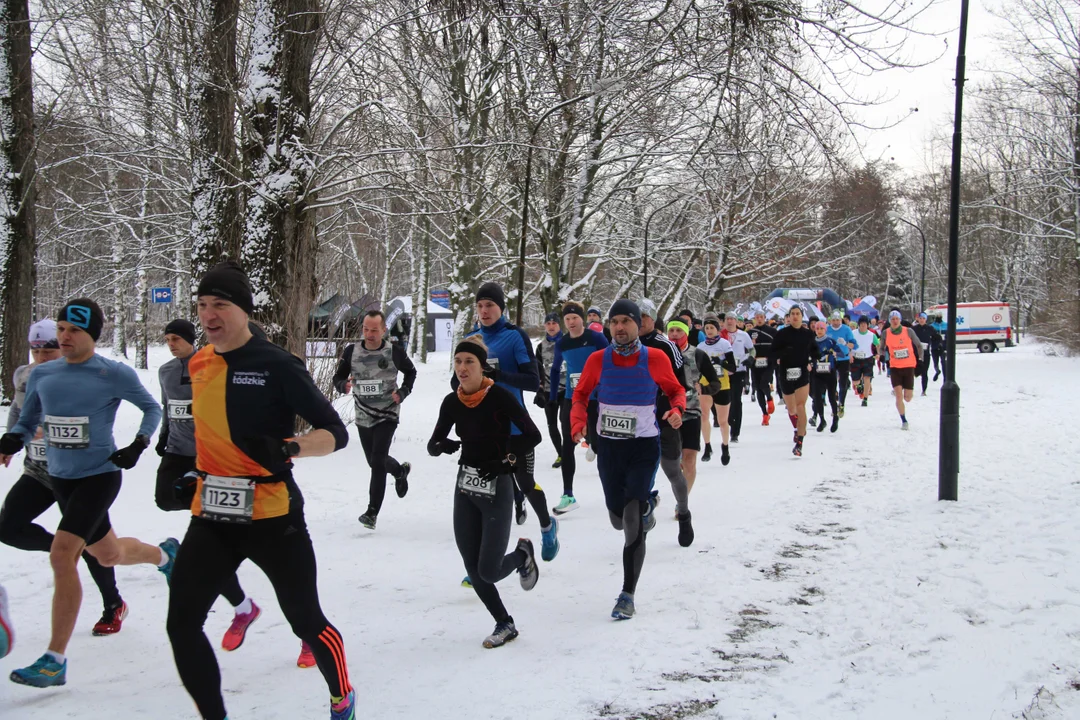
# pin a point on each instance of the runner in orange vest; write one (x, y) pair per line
(905, 351)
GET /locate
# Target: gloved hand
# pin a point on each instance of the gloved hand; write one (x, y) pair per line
(269, 451)
(444, 447)
(184, 487)
(162, 442)
(125, 458)
(10, 443)
(493, 373)
(541, 400)
(748, 361)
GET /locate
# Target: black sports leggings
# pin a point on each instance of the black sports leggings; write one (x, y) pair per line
(482, 530)
(551, 412)
(633, 558)
(210, 553)
(569, 462)
(738, 381)
(526, 480)
(843, 379)
(172, 468)
(760, 378)
(820, 384)
(25, 502)
(376, 442)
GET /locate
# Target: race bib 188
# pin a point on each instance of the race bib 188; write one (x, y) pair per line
(369, 388)
(37, 451)
(69, 433)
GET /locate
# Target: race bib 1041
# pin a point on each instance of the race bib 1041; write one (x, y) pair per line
(620, 425)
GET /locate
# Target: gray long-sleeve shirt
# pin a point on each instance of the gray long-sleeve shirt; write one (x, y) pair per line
(178, 428)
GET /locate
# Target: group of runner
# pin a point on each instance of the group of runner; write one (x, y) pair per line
(635, 394)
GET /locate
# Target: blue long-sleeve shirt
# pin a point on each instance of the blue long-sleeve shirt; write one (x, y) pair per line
(510, 350)
(842, 336)
(77, 404)
(828, 349)
(574, 352)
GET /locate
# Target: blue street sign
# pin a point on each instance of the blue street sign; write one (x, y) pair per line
(161, 295)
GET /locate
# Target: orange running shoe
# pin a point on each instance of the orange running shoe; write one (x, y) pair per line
(306, 659)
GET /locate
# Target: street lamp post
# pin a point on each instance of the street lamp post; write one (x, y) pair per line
(949, 433)
(893, 215)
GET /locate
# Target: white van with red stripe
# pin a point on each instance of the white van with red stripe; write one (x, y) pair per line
(984, 324)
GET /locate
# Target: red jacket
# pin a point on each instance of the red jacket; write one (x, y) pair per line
(659, 369)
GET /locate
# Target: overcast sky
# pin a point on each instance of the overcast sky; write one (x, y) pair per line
(929, 88)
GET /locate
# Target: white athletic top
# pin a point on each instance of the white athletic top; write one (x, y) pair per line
(864, 343)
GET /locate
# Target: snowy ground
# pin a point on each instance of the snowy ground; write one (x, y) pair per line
(833, 586)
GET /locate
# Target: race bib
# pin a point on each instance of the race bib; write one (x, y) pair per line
(36, 450)
(180, 410)
(761, 362)
(824, 367)
(619, 425)
(900, 354)
(228, 499)
(68, 433)
(860, 355)
(493, 363)
(793, 373)
(369, 388)
(472, 481)
(572, 381)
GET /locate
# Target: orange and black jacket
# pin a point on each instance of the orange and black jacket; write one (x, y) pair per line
(244, 396)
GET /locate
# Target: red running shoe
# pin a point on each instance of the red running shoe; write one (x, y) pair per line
(111, 620)
(771, 406)
(234, 636)
(306, 659)
(764, 419)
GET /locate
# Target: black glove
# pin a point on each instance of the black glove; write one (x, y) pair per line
(748, 362)
(403, 392)
(162, 443)
(125, 458)
(268, 451)
(493, 373)
(444, 447)
(184, 488)
(541, 400)
(10, 443)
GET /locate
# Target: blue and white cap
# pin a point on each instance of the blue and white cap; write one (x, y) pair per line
(43, 335)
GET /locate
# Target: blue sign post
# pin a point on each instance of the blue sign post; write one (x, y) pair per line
(161, 295)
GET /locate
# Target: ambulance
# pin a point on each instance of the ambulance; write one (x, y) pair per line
(983, 324)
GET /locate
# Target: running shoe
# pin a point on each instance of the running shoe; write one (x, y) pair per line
(765, 420)
(368, 520)
(590, 455)
(715, 423)
(771, 406)
(234, 636)
(7, 630)
(924, 393)
(307, 658)
(521, 514)
(937, 374)
(860, 389)
(46, 672)
(111, 620)
(835, 423)
(648, 520)
(549, 541)
(707, 455)
(813, 419)
(558, 462)
(624, 607)
(529, 572)
(797, 450)
(864, 402)
(344, 708)
(466, 582)
(504, 633)
(567, 503)
(686, 529)
(821, 424)
(401, 482)
(725, 455)
(171, 546)
(841, 412)
(904, 426)
(734, 438)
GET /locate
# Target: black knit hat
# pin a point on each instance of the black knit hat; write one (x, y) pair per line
(573, 308)
(182, 328)
(493, 292)
(83, 313)
(628, 308)
(228, 281)
(712, 320)
(552, 317)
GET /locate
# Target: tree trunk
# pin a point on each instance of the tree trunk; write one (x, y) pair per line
(279, 245)
(216, 226)
(17, 191)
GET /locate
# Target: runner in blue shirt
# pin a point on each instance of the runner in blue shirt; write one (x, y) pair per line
(845, 341)
(75, 400)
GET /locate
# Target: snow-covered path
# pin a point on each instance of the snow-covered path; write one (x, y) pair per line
(832, 586)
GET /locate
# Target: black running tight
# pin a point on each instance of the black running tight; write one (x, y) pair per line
(376, 442)
(482, 530)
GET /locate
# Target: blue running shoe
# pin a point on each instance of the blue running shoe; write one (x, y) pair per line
(46, 672)
(624, 607)
(549, 541)
(7, 630)
(344, 710)
(466, 583)
(170, 546)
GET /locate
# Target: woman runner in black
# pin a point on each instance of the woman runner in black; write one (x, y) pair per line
(793, 349)
(484, 501)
